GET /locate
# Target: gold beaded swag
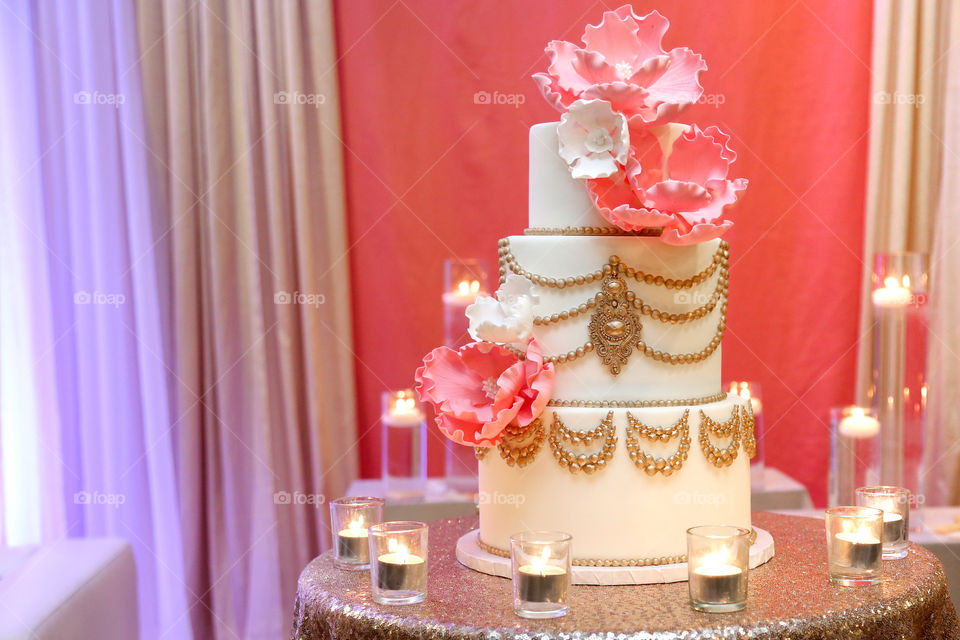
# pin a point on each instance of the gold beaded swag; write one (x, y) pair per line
(615, 323)
(519, 447)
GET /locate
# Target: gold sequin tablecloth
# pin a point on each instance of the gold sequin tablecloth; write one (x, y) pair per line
(789, 597)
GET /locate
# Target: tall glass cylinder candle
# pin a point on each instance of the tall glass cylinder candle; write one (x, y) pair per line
(718, 563)
(350, 519)
(751, 391)
(403, 456)
(854, 453)
(854, 545)
(895, 504)
(398, 562)
(899, 381)
(541, 567)
(464, 281)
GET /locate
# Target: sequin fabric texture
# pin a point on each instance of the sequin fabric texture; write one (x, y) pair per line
(790, 597)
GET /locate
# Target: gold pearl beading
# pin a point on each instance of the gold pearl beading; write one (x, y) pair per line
(518, 454)
(509, 262)
(636, 404)
(719, 291)
(586, 462)
(720, 457)
(747, 428)
(653, 465)
(614, 322)
(649, 232)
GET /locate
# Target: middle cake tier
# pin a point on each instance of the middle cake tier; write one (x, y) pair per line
(646, 317)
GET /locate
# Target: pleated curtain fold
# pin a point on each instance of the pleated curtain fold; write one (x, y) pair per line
(242, 120)
(912, 185)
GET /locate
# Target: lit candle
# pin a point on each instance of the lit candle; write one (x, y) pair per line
(859, 425)
(542, 582)
(464, 293)
(742, 389)
(718, 583)
(400, 570)
(402, 410)
(352, 543)
(892, 294)
(856, 550)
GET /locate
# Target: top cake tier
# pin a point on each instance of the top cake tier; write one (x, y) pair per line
(556, 199)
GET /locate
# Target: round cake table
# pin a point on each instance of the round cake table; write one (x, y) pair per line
(789, 597)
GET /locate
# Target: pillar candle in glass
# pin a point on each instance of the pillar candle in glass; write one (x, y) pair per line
(718, 564)
(403, 456)
(349, 520)
(398, 567)
(751, 391)
(899, 384)
(464, 281)
(854, 453)
(854, 548)
(541, 566)
(895, 504)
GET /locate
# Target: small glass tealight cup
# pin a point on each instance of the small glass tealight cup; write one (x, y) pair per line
(398, 567)
(895, 504)
(349, 521)
(540, 564)
(718, 564)
(854, 552)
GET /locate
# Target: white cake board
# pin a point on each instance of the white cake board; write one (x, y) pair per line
(471, 555)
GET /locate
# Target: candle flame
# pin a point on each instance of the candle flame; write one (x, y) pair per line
(539, 563)
(357, 524)
(397, 547)
(467, 287)
(857, 412)
(891, 283)
(906, 281)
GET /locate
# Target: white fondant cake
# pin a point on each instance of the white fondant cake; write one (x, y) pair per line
(617, 511)
(591, 389)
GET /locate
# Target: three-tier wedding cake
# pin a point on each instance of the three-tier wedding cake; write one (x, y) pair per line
(592, 392)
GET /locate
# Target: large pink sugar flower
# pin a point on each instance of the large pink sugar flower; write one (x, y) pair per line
(483, 387)
(676, 178)
(623, 61)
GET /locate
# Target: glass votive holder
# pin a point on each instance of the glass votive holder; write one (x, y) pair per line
(895, 504)
(854, 552)
(854, 453)
(398, 567)
(718, 563)
(540, 566)
(349, 520)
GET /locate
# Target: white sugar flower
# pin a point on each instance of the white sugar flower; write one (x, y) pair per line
(508, 318)
(593, 139)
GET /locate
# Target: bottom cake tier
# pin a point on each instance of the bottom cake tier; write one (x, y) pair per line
(625, 482)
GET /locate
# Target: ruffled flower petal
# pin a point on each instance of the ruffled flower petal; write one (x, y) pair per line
(473, 407)
(623, 61)
(684, 234)
(674, 195)
(701, 156)
(593, 139)
(678, 86)
(562, 56)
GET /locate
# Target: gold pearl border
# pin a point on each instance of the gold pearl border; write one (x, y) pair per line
(647, 232)
(587, 562)
(636, 404)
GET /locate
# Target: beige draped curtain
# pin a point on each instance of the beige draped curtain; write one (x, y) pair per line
(242, 110)
(911, 196)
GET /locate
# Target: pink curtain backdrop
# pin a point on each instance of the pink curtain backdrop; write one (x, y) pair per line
(431, 174)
